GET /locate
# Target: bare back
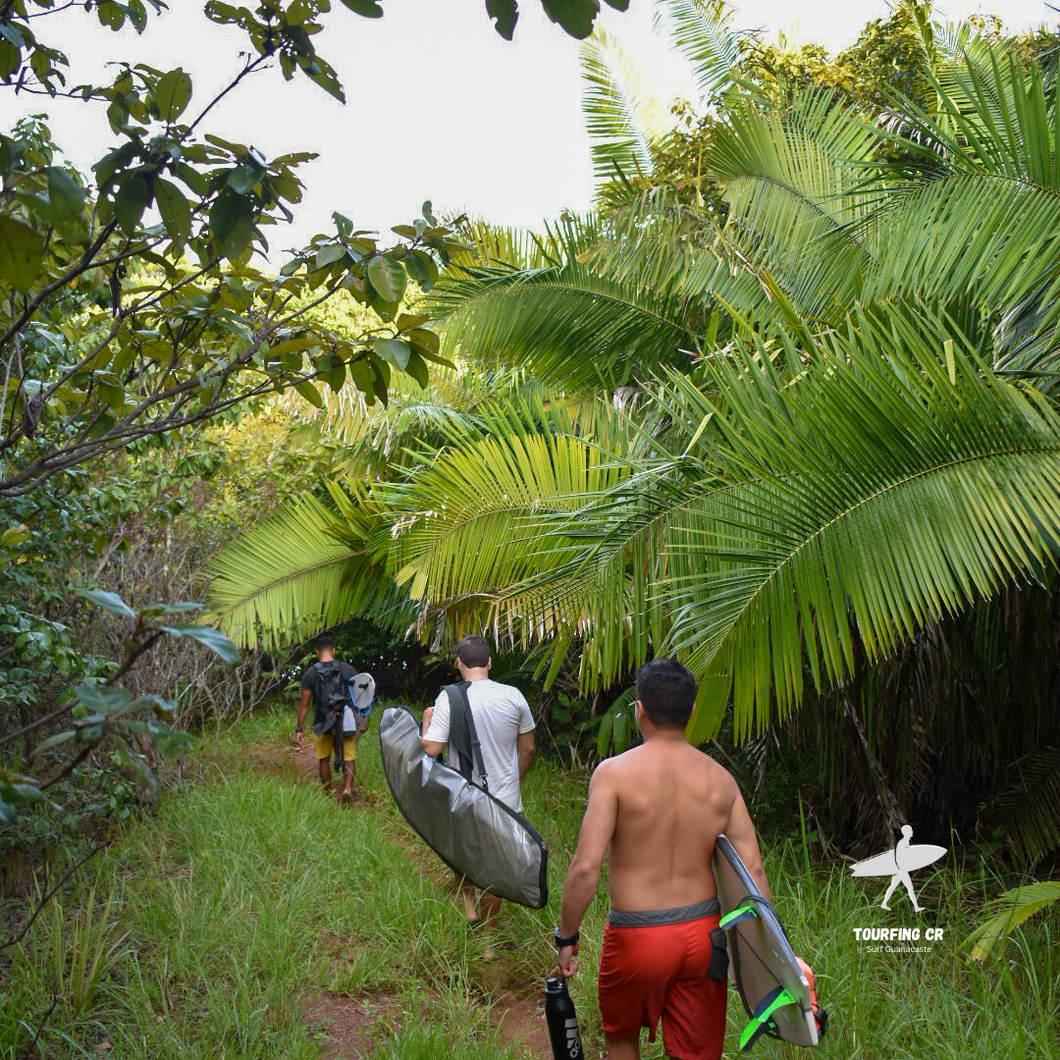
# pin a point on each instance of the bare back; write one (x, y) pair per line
(670, 803)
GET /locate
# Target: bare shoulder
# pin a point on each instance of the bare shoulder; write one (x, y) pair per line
(721, 781)
(714, 767)
(625, 765)
(604, 774)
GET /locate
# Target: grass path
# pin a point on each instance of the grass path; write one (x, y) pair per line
(254, 919)
(353, 1014)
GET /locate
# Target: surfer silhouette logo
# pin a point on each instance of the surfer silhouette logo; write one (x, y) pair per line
(898, 863)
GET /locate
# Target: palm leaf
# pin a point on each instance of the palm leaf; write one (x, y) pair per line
(991, 239)
(566, 324)
(623, 117)
(1009, 911)
(980, 219)
(795, 183)
(468, 519)
(290, 576)
(1026, 811)
(655, 242)
(994, 113)
(502, 245)
(702, 31)
(883, 490)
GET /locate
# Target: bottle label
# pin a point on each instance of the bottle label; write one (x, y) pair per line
(574, 1042)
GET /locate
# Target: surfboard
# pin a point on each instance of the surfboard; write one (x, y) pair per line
(915, 856)
(762, 961)
(356, 721)
(475, 834)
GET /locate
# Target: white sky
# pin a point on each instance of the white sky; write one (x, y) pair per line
(438, 106)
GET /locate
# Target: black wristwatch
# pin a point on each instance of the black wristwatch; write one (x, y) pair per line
(296, 729)
(561, 941)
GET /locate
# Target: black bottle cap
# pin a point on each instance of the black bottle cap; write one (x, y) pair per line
(553, 985)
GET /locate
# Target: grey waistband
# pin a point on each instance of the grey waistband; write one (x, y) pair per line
(656, 917)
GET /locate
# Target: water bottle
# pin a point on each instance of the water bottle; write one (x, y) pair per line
(562, 1022)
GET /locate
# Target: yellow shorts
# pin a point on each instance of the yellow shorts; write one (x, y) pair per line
(325, 745)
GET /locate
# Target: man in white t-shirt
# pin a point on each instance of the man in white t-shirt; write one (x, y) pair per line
(505, 729)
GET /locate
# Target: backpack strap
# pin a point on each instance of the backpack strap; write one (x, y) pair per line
(462, 724)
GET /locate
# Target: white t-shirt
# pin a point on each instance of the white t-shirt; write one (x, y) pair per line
(501, 714)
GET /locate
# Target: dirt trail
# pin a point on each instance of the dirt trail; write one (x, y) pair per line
(354, 1026)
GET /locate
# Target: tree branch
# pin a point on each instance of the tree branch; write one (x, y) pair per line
(57, 713)
(82, 266)
(135, 654)
(69, 767)
(249, 67)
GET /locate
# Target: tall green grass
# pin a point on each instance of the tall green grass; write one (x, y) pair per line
(208, 929)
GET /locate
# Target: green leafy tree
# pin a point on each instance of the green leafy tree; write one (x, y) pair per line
(103, 711)
(130, 299)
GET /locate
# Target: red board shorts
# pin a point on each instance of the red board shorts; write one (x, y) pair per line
(668, 963)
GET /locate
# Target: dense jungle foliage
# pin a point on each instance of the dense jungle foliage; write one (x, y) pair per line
(783, 405)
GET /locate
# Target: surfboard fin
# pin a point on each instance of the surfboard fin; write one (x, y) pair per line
(762, 1020)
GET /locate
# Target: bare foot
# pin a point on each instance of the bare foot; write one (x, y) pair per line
(345, 798)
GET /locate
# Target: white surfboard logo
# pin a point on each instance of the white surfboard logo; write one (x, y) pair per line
(899, 863)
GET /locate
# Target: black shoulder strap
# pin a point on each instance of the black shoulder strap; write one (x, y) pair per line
(462, 727)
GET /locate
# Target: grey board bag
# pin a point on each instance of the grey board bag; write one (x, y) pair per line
(475, 834)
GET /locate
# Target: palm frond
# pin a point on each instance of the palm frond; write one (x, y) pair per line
(796, 186)
(702, 31)
(542, 533)
(894, 482)
(566, 324)
(1009, 911)
(617, 725)
(1026, 811)
(988, 237)
(980, 218)
(994, 113)
(498, 544)
(623, 117)
(490, 244)
(467, 522)
(658, 243)
(953, 40)
(291, 575)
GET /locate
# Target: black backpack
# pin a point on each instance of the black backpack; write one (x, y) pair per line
(332, 685)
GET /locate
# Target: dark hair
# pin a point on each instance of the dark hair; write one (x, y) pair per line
(668, 691)
(324, 643)
(473, 650)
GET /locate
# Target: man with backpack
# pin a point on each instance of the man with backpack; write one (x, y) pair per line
(326, 683)
(502, 727)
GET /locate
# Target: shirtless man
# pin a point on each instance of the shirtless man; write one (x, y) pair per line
(656, 812)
